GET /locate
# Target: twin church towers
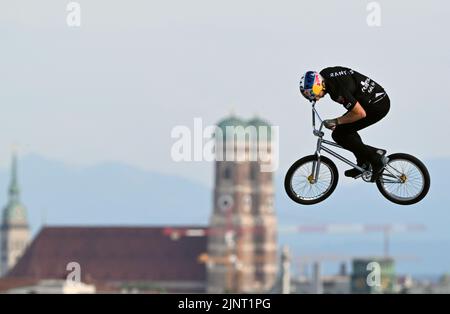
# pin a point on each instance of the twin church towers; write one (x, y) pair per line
(242, 242)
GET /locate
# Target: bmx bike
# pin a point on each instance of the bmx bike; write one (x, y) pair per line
(404, 180)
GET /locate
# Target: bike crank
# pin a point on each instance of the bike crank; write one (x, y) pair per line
(367, 176)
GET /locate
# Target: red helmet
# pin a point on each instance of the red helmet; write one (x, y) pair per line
(311, 84)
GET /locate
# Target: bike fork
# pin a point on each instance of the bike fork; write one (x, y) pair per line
(316, 164)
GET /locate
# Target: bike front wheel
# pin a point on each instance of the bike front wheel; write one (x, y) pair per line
(303, 187)
(405, 179)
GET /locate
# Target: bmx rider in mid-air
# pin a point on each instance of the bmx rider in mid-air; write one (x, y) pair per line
(366, 103)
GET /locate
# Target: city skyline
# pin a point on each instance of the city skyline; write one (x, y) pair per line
(57, 194)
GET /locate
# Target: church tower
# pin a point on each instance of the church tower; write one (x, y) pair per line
(242, 243)
(15, 232)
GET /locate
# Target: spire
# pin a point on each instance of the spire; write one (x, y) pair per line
(14, 213)
(14, 185)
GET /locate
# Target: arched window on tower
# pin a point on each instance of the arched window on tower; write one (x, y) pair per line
(254, 169)
(227, 173)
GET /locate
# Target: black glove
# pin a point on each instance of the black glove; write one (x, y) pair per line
(330, 123)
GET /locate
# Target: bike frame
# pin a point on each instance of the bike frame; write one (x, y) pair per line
(321, 146)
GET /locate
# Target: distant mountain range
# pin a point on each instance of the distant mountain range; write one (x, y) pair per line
(117, 194)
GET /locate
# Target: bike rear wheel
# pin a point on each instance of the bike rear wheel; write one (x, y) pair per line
(405, 180)
(300, 185)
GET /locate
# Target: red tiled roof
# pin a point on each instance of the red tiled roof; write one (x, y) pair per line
(11, 283)
(113, 254)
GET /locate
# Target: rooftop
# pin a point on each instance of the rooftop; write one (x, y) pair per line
(111, 254)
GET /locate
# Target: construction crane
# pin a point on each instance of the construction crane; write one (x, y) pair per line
(306, 259)
(230, 231)
(386, 229)
(230, 258)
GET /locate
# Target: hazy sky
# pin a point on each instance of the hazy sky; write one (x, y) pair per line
(113, 89)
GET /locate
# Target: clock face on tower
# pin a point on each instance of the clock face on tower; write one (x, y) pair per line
(225, 202)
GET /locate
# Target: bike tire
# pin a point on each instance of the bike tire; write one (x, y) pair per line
(426, 177)
(290, 173)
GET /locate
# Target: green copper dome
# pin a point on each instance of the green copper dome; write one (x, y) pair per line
(231, 121)
(258, 123)
(14, 213)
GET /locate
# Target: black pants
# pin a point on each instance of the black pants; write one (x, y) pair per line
(347, 135)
